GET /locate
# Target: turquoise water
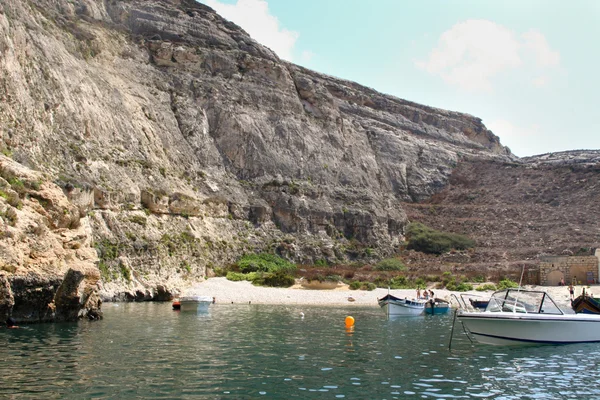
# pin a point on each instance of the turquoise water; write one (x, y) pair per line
(146, 350)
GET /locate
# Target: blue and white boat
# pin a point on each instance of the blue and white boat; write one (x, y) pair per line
(393, 305)
(437, 306)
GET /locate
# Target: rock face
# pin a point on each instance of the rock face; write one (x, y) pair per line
(47, 268)
(183, 144)
(516, 212)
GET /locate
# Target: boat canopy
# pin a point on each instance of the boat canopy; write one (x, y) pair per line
(524, 301)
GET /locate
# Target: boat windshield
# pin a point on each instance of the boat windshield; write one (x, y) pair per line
(522, 301)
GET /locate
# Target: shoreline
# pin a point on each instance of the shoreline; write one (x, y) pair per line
(243, 292)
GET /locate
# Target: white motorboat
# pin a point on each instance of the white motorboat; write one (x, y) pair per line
(518, 316)
(195, 303)
(393, 305)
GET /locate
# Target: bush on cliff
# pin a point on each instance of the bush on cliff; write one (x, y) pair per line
(265, 262)
(264, 270)
(276, 279)
(390, 264)
(427, 240)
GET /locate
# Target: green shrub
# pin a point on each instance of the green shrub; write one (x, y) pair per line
(104, 271)
(464, 287)
(125, 272)
(507, 284)
(390, 264)
(427, 240)
(138, 219)
(355, 285)
(487, 286)
(275, 279)
(398, 282)
(107, 250)
(266, 263)
(235, 276)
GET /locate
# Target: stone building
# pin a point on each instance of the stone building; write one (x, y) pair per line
(573, 269)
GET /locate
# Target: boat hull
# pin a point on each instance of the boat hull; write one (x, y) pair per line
(395, 306)
(195, 303)
(586, 305)
(437, 308)
(506, 328)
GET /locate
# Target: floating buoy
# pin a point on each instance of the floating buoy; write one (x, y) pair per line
(349, 321)
(176, 305)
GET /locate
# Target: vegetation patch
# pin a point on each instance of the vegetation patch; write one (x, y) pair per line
(390, 264)
(263, 269)
(487, 286)
(138, 219)
(507, 284)
(357, 285)
(427, 240)
(265, 262)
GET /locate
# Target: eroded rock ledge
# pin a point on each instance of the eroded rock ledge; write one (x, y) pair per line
(47, 268)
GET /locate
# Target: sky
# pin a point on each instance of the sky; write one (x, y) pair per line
(530, 69)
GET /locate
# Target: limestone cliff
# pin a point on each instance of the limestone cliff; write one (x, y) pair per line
(47, 269)
(184, 143)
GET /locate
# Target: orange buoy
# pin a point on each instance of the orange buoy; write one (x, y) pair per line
(349, 321)
(176, 305)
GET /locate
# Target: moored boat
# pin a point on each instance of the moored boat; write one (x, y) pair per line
(478, 303)
(585, 304)
(176, 304)
(393, 305)
(518, 316)
(195, 303)
(437, 306)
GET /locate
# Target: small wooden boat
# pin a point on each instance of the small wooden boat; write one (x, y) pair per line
(393, 305)
(585, 304)
(176, 305)
(437, 306)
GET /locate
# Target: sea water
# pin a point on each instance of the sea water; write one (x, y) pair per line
(242, 351)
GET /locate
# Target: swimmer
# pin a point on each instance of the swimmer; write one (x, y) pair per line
(11, 323)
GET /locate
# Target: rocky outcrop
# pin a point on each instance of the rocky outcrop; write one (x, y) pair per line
(562, 158)
(180, 143)
(47, 267)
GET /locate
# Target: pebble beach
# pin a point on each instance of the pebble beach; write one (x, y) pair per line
(228, 292)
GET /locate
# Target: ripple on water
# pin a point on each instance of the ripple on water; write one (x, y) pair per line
(142, 348)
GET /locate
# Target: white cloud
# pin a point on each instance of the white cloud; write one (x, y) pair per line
(254, 17)
(523, 141)
(538, 45)
(306, 56)
(471, 53)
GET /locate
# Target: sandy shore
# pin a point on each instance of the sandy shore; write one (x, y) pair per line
(228, 292)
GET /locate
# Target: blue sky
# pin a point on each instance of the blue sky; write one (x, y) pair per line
(530, 69)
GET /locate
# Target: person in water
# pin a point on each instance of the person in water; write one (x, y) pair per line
(11, 323)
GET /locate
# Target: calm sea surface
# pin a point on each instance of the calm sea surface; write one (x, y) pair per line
(147, 350)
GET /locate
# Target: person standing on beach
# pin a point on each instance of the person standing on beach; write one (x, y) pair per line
(572, 291)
